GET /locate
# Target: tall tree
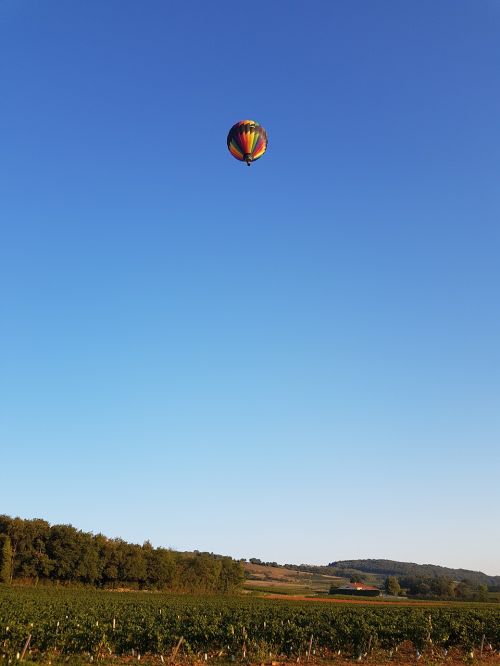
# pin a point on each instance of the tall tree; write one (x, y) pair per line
(5, 559)
(63, 553)
(392, 586)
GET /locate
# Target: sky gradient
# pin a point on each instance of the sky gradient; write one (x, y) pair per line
(297, 361)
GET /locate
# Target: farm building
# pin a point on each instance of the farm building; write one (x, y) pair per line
(357, 589)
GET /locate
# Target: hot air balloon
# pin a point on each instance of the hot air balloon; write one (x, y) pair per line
(247, 141)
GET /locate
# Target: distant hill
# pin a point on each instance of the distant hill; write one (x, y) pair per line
(372, 571)
(393, 568)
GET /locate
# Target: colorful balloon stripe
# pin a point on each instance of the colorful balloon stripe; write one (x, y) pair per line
(247, 141)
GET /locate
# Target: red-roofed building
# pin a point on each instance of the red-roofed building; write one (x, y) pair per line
(357, 589)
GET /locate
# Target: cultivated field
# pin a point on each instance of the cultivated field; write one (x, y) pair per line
(280, 580)
(52, 626)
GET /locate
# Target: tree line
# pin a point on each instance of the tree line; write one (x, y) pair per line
(436, 587)
(33, 551)
(410, 569)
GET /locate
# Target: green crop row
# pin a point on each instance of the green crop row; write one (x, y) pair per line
(97, 623)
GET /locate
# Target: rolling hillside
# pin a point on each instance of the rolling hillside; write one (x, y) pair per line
(282, 580)
(311, 579)
(384, 568)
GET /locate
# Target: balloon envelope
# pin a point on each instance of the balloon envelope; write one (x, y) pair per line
(247, 141)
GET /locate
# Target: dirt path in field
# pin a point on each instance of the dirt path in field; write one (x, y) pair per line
(364, 602)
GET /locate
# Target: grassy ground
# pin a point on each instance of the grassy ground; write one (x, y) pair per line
(280, 580)
(263, 587)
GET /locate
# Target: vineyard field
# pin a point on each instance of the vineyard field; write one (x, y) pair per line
(45, 625)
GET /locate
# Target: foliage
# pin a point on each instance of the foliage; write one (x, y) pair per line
(392, 586)
(409, 569)
(5, 559)
(61, 553)
(68, 622)
(441, 587)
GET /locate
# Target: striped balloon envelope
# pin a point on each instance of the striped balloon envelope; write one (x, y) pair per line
(247, 141)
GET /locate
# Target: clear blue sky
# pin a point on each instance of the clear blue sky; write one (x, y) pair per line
(297, 361)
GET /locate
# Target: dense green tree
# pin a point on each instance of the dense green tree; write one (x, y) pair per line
(64, 554)
(443, 587)
(207, 570)
(89, 565)
(5, 559)
(409, 569)
(135, 565)
(113, 562)
(465, 590)
(162, 570)
(231, 576)
(392, 586)
(63, 548)
(482, 593)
